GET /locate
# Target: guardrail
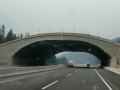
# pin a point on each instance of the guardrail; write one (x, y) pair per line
(24, 70)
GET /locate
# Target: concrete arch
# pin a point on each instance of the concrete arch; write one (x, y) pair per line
(38, 53)
(7, 50)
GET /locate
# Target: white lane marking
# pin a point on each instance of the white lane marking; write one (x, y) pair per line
(69, 74)
(103, 80)
(76, 70)
(50, 84)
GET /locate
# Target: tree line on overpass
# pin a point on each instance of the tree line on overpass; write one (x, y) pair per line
(6, 37)
(57, 61)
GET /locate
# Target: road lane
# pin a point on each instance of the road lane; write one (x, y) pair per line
(84, 79)
(103, 80)
(111, 77)
(63, 79)
(35, 82)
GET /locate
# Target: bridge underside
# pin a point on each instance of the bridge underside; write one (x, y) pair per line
(39, 52)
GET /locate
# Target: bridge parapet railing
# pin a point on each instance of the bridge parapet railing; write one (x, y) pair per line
(23, 70)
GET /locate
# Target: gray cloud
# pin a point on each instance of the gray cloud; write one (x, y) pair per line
(101, 16)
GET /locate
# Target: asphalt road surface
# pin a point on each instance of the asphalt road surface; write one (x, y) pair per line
(64, 79)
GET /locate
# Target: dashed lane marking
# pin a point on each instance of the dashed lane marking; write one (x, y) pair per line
(49, 85)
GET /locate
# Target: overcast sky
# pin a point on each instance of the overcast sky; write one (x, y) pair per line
(102, 16)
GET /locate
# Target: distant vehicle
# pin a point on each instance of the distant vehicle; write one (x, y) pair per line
(88, 65)
(81, 65)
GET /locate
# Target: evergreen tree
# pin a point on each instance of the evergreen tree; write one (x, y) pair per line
(2, 34)
(118, 41)
(26, 34)
(1, 39)
(52, 60)
(62, 60)
(21, 36)
(10, 36)
(3, 31)
(15, 37)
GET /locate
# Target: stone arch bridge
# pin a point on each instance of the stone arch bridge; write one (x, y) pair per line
(36, 49)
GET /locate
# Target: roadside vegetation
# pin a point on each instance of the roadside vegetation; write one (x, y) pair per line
(6, 37)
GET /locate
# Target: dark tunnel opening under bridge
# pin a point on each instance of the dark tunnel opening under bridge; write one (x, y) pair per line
(38, 53)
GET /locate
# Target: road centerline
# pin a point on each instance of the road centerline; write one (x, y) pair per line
(76, 70)
(69, 74)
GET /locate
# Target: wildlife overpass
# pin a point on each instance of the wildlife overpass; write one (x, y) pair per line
(35, 50)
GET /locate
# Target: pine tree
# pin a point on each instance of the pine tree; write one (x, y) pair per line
(1, 39)
(10, 36)
(15, 37)
(3, 31)
(2, 34)
(118, 41)
(26, 34)
(21, 36)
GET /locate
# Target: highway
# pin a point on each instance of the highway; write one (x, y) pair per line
(64, 79)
